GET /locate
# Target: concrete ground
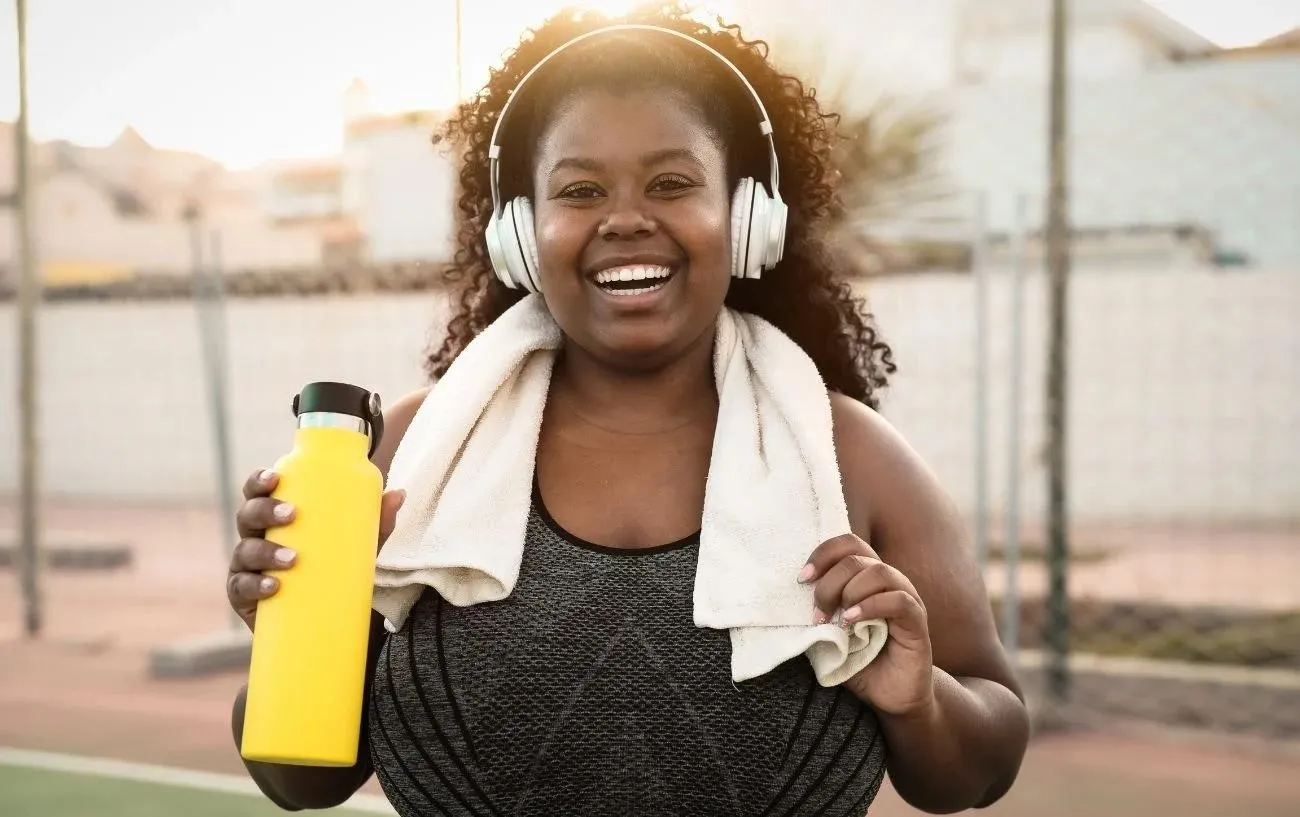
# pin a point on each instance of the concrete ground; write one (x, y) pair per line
(83, 688)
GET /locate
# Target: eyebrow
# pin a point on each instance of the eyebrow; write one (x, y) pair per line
(650, 159)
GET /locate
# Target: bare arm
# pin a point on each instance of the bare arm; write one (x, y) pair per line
(964, 749)
(295, 788)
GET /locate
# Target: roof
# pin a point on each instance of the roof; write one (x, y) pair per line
(1020, 15)
(309, 169)
(1284, 43)
(426, 120)
(1287, 39)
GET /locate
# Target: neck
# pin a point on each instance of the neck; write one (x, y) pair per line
(639, 402)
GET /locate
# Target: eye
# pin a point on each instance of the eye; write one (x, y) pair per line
(582, 191)
(671, 183)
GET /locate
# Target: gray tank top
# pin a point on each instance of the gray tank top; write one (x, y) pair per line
(590, 691)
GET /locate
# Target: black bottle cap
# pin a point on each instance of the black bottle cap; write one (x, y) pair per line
(343, 398)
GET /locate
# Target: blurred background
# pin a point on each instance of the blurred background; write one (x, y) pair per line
(226, 200)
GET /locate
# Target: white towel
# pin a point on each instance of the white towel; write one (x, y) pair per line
(773, 492)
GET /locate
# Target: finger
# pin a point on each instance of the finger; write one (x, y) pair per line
(253, 555)
(901, 609)
(245, 590)
(829, 590)
(392, 502)
(255, 516)
(876, 577)
(831, 552)
(260, 483)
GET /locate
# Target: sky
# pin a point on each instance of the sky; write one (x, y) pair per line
(245, 81)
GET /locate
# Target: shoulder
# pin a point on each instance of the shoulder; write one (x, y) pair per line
(886, 482)
(397, 418)
(865, 445)
(899, 507)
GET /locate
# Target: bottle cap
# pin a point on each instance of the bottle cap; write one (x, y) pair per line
(343, 398)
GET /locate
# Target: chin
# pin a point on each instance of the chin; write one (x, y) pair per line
(640, 351)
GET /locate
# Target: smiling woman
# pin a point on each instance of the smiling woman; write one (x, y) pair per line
(810, 296)
(645, 188)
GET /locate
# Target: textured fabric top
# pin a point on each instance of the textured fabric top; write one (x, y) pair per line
(590, 691)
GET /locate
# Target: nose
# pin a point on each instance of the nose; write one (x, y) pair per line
(627, 220)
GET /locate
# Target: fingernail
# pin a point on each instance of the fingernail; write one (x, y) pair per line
(267, 475)
(820, 617)
(283, 511)
(807, 573)
(268, 584)
(852, 613)
(285, 556)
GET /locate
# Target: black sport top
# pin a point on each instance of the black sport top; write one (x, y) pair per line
(590, 691)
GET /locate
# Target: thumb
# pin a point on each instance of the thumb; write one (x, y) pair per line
(390, 504)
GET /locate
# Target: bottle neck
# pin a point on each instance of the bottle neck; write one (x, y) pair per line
(311, 420)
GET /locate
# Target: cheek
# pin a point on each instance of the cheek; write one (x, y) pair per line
(560, 239)
(706, 234)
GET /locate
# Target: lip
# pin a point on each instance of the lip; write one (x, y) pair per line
(643, 301)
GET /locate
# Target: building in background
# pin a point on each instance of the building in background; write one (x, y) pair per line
(1181, 151)
(1175, 142)
(308, 195)
(110, 211)
(389, 197)
(398, 184)
(1169, 134)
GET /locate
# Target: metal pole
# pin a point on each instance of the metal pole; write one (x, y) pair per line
(1058, 268)
(29, 288)
(1011, 537)
(208, 299)
(979, 270)
(459, 59)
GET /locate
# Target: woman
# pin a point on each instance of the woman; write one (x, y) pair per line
(630, 146)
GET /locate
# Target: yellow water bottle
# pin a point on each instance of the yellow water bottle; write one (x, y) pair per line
(306, 678)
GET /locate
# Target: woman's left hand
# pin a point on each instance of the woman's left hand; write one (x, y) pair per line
(849, 576)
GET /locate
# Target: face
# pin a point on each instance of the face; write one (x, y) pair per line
(632, 217)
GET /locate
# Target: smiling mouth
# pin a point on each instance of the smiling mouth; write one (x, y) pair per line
(637, 279)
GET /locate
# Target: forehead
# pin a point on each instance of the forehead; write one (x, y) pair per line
(601, 123)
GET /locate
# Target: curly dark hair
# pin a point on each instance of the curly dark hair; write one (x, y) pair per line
(807, 295)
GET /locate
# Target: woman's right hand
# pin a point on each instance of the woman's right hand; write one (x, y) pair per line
(246, 584)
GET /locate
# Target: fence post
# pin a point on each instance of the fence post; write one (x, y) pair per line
(1058, 268)
(1011, 543)
(209, 303)
(29, 297)
(980, 274)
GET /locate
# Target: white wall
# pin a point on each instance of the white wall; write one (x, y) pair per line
(1185, 388)
(1096, 52)
(75, 226)
(1213, 143)
(404, 190)
(124, 401)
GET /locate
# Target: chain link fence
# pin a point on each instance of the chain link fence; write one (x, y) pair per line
(1183, 458)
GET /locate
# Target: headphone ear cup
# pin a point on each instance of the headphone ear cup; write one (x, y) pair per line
(512, 247)
(496, 250)
(759, 217)
(742, 208)
(529, 274)
(777, 216)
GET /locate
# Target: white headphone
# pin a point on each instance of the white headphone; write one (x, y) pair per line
(758, 216)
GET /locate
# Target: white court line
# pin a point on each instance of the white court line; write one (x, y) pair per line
(160, 775)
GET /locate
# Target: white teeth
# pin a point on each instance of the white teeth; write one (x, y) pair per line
(632, 273)
(635, 291)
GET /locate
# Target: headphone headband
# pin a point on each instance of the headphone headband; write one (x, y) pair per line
(764, 124)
